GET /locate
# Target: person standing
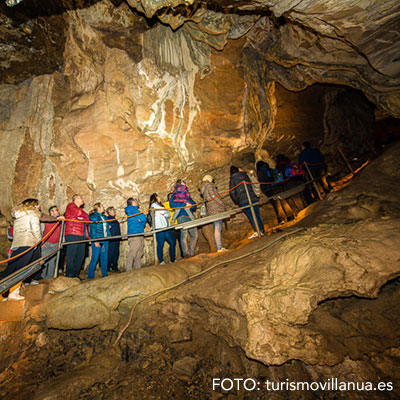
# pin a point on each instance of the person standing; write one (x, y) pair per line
(50, 243)
(239, 197)
(136, 224)
(270, 188)
(75, 230)
(283, 164)
(98, 229)
(214, 205)
(26, 233)
(160, 217)
(181, 198)
(176, 232)
(315, 161)
(113, 244)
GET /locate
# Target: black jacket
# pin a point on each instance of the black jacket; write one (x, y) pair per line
(238, 195)
(264, 174)
(114, 227)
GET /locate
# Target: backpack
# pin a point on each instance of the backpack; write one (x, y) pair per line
(294, 170)
(277, 175)
(265, 175)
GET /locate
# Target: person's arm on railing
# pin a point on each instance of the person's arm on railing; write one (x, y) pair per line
(47, 218)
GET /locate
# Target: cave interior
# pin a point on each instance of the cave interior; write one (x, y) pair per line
(118, 98)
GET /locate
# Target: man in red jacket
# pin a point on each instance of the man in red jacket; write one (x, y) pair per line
(75, 230)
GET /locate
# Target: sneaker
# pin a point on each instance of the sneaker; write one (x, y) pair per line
(253, 235)
(222, 249)
(33, 282)
(15, 295)
(162, 263)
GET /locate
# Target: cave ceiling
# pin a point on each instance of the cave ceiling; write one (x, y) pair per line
(297, 43)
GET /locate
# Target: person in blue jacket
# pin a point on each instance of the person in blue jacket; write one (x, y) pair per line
(98, 229)
(181, 198)
(113, 247)
(136, 224)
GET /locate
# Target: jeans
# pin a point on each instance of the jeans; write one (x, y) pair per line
(249, 214)
(75, 256)
(49, 267)
(170, 238)
(218, 233)
(135, 254)
(22, 261)
(102, 253)
(113, 255)
(193, 238)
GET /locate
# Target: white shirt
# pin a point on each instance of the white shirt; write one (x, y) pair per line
(161, 217)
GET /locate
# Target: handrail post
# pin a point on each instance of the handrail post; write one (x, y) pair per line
(153, 223)
(313, 181)
(345, 159)
(60, 243)
(252, 209)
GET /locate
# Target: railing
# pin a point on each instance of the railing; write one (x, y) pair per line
(30, 269)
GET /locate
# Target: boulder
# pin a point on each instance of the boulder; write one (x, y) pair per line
(185, 368)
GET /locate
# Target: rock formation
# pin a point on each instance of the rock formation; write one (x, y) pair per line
(116, 98)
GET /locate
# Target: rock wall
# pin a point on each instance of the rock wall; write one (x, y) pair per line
(128, 114)
(299, 117)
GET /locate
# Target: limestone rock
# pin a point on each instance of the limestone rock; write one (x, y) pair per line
(98, 369)
(185, 368)
(297, 57)
(270, 302)
(32, 41)
(101, 302)
(62, 283)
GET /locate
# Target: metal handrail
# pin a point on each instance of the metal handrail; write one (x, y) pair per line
(30, 269)
(25, 272)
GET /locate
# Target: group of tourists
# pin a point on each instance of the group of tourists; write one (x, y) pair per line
(287, 174)
(30, 224)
